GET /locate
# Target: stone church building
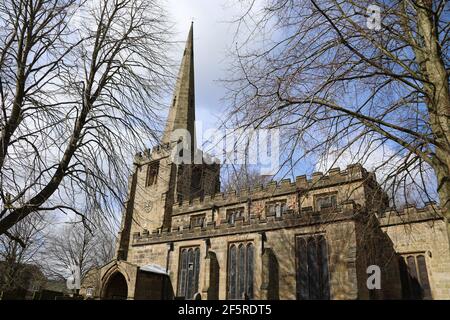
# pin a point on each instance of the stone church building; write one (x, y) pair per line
(313, 238)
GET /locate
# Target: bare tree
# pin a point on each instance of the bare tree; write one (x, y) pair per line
(242, 177)
(19, 252)
(105, 237)
(75, 245)
(342, 81)
(80, 86)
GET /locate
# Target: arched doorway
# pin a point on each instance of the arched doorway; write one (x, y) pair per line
(116, 288)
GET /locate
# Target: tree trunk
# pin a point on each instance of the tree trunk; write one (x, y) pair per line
(438, 99)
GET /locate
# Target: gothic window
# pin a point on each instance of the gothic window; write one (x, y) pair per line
(197, 220)
(312, 268)
(232, 214)
(152, 173)
(240, 271)
(188, 272)
(414, 277)
(326, 202)
(276, 208)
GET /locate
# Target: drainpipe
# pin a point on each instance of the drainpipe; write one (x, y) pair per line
(263, 239)
(166, 278)
(169, 249)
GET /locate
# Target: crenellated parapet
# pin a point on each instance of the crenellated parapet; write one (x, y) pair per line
(317, 180)
(410, 214)
(251, 224)
(156, 152)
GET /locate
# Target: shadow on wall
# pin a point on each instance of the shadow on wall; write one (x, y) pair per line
(213, 290)
(273, 275)
(117, 288)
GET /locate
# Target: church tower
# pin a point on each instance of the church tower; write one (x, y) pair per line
(159, 182)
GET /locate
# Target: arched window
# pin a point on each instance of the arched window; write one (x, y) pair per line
(312, 268)
(234, 213)
(240, 271)
(152, 174)
(188, 272)
(414, 277)
(423, 277)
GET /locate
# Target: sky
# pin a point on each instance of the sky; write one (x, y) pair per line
(214, 40)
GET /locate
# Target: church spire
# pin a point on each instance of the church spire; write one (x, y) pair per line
(182, 110)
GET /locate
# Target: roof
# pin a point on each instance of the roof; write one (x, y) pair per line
(154, 268)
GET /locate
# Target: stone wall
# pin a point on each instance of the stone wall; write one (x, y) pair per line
(275, 236)
(423, 230)
(375, 248)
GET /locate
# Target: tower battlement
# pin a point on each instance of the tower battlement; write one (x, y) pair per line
(410, 213)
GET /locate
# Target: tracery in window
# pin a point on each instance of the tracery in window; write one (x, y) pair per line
(240, 271)
(414, 277)
(232, 214)
(312, 268)
(188, 272)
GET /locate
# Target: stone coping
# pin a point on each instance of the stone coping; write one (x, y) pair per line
(410, 214)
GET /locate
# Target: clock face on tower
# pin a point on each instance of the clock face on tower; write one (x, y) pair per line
(149, 203)
(148, 206)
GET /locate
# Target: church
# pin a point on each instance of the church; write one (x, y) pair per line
(319, 237)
